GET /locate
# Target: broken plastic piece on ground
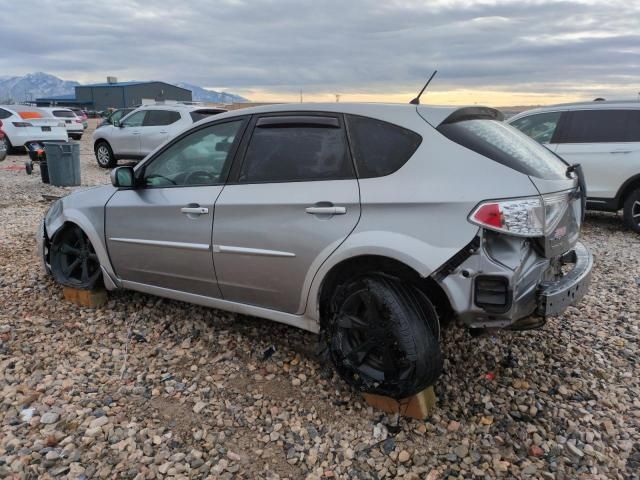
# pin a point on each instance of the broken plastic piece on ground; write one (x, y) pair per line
(138, 337)
(266, 355)
(490, 376)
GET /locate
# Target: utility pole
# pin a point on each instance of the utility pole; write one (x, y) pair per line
(300, 95)
(338, 97)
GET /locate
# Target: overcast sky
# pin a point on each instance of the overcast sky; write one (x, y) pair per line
(499, 51)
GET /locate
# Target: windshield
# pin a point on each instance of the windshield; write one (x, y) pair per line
(507, 146)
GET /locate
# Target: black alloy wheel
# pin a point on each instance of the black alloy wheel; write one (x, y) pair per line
(383, 337)
(631, 212)
(74, 261)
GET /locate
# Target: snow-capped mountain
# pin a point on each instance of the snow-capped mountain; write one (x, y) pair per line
(36, 85)
(32, 86)
(200, 94)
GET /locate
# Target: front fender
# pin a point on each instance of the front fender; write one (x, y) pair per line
(86, 210)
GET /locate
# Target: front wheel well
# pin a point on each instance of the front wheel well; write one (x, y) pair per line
(380, 265)
(99, 141)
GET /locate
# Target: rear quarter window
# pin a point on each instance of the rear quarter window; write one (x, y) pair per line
(506, 145)
(380, 148)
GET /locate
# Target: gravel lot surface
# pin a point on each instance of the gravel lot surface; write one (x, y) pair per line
(146, 388)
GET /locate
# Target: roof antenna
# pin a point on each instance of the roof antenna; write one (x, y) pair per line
(416, 101)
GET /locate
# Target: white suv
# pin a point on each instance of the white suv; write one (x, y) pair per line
(144, 129)
(72, 122)
(603, 137)
(23, 124)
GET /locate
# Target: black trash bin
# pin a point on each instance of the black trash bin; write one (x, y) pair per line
(44, 171)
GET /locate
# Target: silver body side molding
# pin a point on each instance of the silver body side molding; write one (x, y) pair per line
(251, 251)
(158, 243)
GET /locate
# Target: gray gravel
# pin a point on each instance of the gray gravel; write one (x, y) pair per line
(150, 388)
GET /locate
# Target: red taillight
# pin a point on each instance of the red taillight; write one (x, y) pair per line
(489, 214)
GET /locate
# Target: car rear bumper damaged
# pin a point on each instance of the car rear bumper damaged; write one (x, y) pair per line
(504, 281)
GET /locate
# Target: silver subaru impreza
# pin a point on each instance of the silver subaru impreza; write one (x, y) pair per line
(369, 224)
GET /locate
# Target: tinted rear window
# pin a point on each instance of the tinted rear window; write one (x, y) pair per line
(160, 117)
(507, 146)
(380, 148)
(63, 114)
(602, 126)
(200, 114)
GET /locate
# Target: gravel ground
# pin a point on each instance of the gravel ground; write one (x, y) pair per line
(146, 388)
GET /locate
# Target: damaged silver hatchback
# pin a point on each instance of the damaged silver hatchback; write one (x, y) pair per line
(368, 224)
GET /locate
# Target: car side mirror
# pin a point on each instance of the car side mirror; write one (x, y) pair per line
(116, 123)
(123, 177)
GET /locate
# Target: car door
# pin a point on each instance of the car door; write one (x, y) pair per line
(125, 138)
(156, 129)
(606, 142)
(288, 205)
(159, 233)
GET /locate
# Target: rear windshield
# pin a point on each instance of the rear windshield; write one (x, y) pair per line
(507, 146)
(200, 114)
(63, 114)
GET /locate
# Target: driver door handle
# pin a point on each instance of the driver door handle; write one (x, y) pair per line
(326, 210)
(195, 210)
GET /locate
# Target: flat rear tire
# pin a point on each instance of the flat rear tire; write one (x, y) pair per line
(383, 336)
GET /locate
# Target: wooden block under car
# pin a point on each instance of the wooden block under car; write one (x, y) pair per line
(419, 406)
(85, 298)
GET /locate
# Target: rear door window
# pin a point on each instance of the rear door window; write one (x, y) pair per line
(602, 126)
(541, 126)
(156, 118)
(293, 149)
(4, 114)
(506, 145)
(380, 148)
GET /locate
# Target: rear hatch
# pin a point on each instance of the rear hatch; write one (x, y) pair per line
(482, 130)
(70, 119)
(34, 126)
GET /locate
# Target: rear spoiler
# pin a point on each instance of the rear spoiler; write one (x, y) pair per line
(474, 113)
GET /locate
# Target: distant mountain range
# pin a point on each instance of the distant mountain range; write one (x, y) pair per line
(32, 86)
(39, 84)
(200, 94)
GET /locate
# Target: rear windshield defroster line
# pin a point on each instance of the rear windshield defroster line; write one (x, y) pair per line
(506, 145)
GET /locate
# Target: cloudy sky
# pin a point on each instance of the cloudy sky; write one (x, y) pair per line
(500, 52)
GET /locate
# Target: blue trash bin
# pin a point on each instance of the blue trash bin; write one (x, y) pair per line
(63, 162)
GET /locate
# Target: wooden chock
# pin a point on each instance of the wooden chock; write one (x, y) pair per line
(85, 298)
(419, 406)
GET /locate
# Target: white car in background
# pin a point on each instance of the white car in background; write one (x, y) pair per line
(604, 138)
(72, 122)
(141, 131)
(23, 124)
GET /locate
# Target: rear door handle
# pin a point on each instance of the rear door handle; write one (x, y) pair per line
(621, 151)
(326, 210)
(195, 210)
